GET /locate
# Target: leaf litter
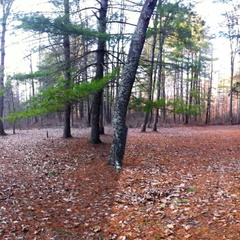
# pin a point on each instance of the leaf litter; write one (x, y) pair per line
(178, 183)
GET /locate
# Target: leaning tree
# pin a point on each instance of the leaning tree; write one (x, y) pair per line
(128, 78)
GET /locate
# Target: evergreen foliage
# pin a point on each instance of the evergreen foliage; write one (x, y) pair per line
(145, 105)
(179, 106)
(56, 26)
(55, 98)
(2, 92)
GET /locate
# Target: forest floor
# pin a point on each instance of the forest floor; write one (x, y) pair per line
(178, 183)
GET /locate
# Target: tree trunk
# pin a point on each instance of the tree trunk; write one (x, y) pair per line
(181, 86)
(13, 109)
(67, 73)
(128, 77)
(150, 74)
(231, 22)
(101, 117)
(159, 80)
(238, 109)
(161, 41)
(35, 118)
(67, 122)
(107, 107)
(209, 95)
(80, 108)
(231, 89)
(163, 96)
(186, 120)
(6, 8)
(97, 99)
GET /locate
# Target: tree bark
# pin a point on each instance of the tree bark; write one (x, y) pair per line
(150, 72)
(231, 21)
(67, 122)
(186, 115)
(231, 88)
(238, 109)
(5, 8)
(97, 99)
(128, 78)
(209, 95)
(67, 73)
(161, 40)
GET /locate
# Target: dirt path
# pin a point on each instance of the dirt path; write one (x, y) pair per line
(179, 183)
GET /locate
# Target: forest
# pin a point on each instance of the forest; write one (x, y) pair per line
(117, 122)
(75, 59)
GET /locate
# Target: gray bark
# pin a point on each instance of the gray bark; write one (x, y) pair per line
(128, 78)
(5, 8)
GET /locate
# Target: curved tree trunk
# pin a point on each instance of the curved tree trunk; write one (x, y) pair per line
(128, 78)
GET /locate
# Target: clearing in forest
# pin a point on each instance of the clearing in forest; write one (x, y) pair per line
(178, 183)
